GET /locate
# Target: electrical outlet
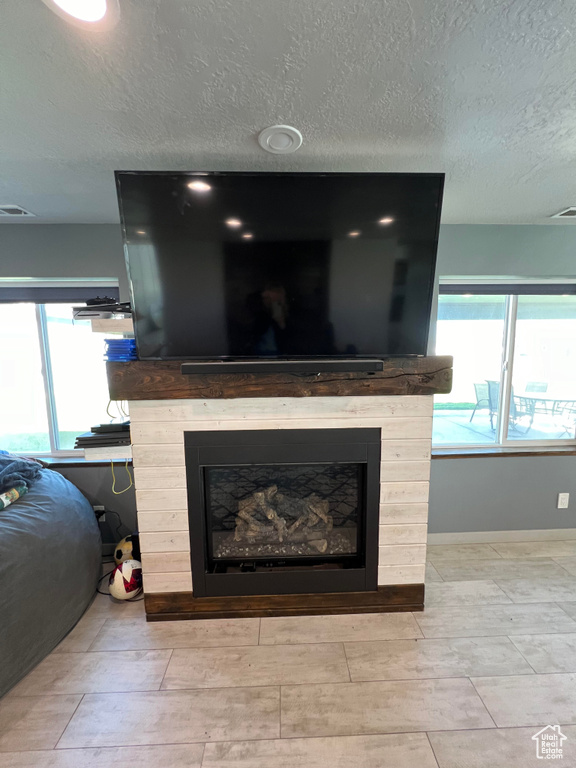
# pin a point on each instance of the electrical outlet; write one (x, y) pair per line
(98, 508)
(563, 500)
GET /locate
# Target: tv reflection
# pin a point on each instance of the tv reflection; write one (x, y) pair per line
(277, 299)
(270, 311)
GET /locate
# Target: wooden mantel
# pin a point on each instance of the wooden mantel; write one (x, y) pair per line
(162, 380)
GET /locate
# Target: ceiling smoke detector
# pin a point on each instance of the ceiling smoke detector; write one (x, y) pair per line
(567, 213)
(280, 139)
(16, 211)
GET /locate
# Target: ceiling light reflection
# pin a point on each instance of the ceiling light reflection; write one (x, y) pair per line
(199, 186)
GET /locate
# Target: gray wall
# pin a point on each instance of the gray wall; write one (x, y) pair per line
(466, 495)
(63, 250)
(95, 250)
(501, 494)
(96, 484)
(506, 250)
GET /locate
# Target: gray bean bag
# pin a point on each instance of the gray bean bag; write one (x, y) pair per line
(50, 555)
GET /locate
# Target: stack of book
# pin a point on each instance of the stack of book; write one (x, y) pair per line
(106, 441)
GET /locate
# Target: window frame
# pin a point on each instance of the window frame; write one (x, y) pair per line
(41, 292)
(511, 288)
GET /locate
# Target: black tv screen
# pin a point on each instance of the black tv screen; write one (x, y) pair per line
(280, 265)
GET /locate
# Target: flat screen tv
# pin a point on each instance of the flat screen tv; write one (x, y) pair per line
(248, 266)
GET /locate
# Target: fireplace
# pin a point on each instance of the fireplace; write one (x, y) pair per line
(283, 511)
(295, 439)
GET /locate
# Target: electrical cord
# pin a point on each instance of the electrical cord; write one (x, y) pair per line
(129, 600)
(114, 491)
(101, 579)
(120, 523)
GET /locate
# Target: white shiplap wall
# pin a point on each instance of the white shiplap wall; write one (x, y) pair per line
(158, 427)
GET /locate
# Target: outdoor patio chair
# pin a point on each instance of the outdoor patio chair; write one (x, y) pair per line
(567, 410)
(521, 408)
(482, 398)
(522, 411)
(493, 399)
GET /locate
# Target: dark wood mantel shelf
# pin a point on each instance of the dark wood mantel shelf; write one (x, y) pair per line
(162, 380)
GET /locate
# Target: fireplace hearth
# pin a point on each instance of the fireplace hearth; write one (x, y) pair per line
(283, 511)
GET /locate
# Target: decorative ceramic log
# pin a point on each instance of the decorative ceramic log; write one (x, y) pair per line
(262, 517)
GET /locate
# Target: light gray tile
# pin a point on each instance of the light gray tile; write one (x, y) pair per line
(383, 707)
(169, 717)
(523, 549)
(505, 748)
(256, 665)
(414, 659)
(465, 593)
(288, 630)
(405, 750)
(82, 636)
(492, 620)
(105, 607)
(569, 608)
(96, 673)
(568, 563)
(34, 723)
(170, 756)
(450, 552)
(432, 574)
(539, 590)
(548, 653)
(461, 570)
(141, 635)
(529, 699)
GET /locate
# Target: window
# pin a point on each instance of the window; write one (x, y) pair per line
(52, 375)
(514, 348)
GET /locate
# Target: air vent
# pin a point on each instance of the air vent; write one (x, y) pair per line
(14, 210)
(567, 213)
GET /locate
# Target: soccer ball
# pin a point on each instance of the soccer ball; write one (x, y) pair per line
(127, 549)
(126, 580)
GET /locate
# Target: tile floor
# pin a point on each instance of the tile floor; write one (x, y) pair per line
(466, 683)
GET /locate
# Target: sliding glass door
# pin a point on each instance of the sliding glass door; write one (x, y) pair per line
(514, 367)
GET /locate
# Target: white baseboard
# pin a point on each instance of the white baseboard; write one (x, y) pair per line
(486, 537)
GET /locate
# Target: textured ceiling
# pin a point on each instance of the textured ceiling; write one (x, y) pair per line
(481, 89)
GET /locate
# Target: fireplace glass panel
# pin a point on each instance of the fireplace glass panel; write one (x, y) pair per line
(276, 513)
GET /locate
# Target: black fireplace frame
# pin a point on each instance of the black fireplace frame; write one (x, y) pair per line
(286, 446)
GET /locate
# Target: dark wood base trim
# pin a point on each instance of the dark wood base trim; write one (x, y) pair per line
(183, 605)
